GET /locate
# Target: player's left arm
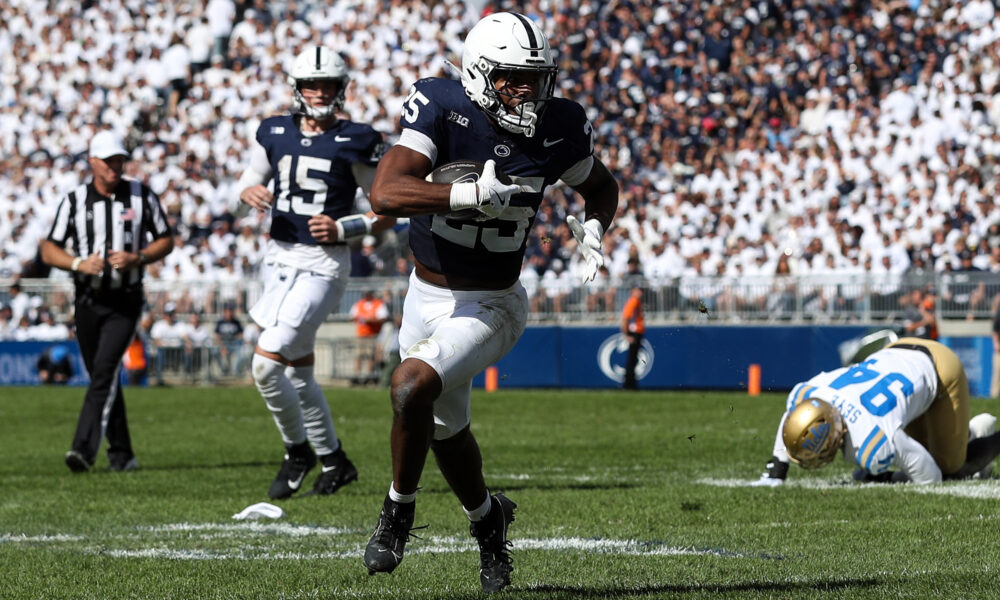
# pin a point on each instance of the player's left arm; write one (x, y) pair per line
(592, 180)
(914, 460)
(327, 230)
(600, 194)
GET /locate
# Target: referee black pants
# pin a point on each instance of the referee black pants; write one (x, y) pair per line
(632, 362)
(103, 333)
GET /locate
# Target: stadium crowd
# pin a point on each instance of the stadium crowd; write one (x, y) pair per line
(752, 138)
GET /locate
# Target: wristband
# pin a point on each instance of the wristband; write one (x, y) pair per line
(464, 195)
(143, 259)
(76, 264)
(352, 227)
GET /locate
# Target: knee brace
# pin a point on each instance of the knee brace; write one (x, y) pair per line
(281, 397)
(266, 371)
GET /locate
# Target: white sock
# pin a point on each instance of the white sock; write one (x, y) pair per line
(281, 397)
(401, 498)
(478, 514)
(315, 410)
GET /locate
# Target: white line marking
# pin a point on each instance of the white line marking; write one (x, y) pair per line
(981, 488)
(430, 545)
(34, 539)
(242, 528)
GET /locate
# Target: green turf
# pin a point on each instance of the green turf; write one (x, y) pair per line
(620, 496)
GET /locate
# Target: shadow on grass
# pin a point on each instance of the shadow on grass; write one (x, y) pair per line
(210, 466)
(653, 590)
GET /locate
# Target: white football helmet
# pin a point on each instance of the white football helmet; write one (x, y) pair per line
(313, 64)
(506, 44)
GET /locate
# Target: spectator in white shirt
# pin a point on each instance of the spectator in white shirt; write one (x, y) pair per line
(167, 336)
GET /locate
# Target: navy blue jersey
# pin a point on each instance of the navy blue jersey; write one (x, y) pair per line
(489, 250)
(312, 174)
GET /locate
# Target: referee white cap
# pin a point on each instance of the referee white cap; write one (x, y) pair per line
(107, 144)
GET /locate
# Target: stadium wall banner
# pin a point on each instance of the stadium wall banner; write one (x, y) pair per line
(696, 357)
(19, 362)
(976, 354)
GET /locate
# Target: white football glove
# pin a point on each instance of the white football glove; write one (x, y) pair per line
(775, 474)
(766, 481)
(588, 237)
(488, 195)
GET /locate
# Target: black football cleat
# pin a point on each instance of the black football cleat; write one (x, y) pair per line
(495, 563)
(299, 460)
(385, 548)
(77, 462)
(338, 471)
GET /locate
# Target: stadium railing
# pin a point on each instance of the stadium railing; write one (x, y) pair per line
(808, 299)
(861, 298)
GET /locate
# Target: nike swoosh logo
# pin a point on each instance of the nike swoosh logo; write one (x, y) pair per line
(338, 138)
(397, 556)
(547, 143)
(328, 469)
(295, 483)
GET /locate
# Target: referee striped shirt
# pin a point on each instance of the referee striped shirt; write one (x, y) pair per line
(89, 223)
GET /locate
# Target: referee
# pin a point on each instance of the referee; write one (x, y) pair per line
(104, 232)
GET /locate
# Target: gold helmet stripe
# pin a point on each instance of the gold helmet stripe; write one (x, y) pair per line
(802, 394)
(868, 448)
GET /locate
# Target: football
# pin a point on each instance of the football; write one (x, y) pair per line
(463, 171)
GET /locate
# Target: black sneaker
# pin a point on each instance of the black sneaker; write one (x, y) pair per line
(385, 548)
(298, 461)
(77, 462)
(338, 471)
(494, 547)
(130, 464)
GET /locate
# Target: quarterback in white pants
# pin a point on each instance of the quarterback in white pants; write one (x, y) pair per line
(317, 161)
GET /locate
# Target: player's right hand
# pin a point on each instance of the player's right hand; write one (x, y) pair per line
(775, 474)
(494, 196)
(257, 196)
(488, 195)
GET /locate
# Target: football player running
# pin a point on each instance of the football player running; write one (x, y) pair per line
(905, 406)
(317, 161)
(465, 308)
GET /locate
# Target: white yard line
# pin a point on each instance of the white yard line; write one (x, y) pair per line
(981, 489)
(171, 547)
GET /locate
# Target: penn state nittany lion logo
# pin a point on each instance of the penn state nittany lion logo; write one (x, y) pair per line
(613, 352)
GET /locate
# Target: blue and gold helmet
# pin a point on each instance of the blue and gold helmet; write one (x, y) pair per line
(813, 433)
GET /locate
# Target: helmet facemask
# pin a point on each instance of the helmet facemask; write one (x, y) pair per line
(320, 113)
(508, 47)
(317, 63)
(523, 116)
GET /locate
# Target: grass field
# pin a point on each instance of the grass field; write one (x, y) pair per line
(620, 496)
